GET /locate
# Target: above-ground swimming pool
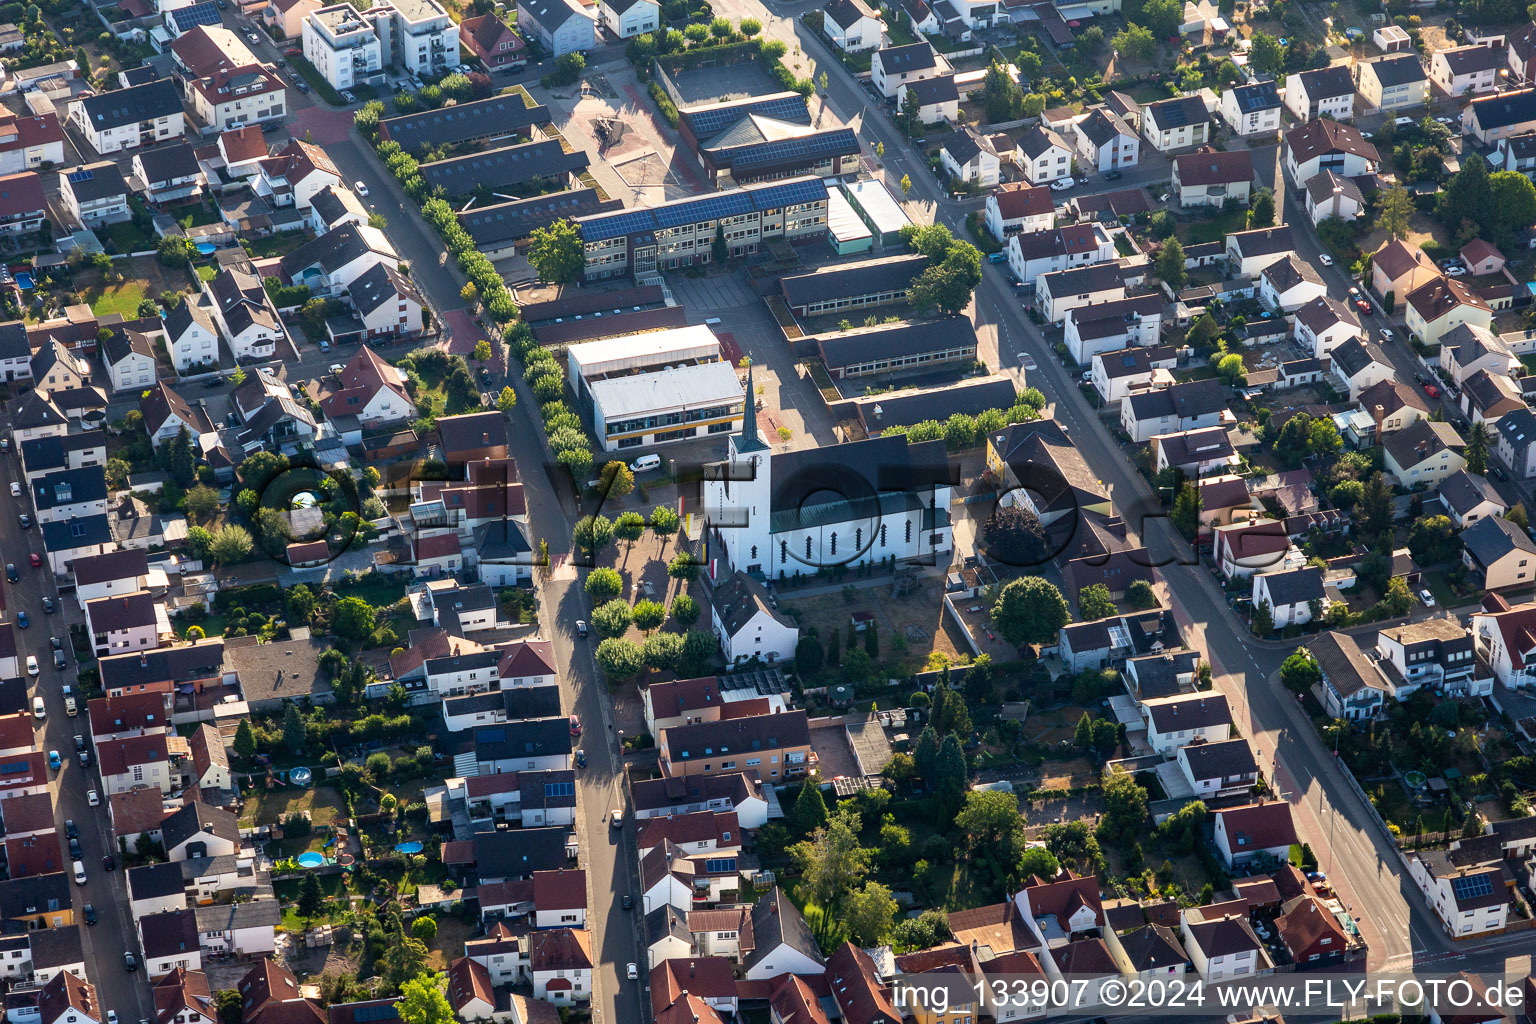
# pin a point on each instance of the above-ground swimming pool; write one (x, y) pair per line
(300, 776)
(310, 859)
(206, 248)
(411, 847)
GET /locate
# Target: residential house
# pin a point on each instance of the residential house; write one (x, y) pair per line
(1173, 722)
(1059, 910)
(1468, 497)
(1431, 652)
(1192, 405)
(1176, 123)
(1294, 596)
(1289, 283)
(1424, 453)
(1441, 303)
(328, 265)
(559, 26)
(1327, 145)
(1105, 142)
(1321, 93)
(1464, 886)
(1393, 82)
(1222, 945)
(122, 119)
(1063, 248)
(749, 625)
(1118, 374)
(1487, 397)
(1516, 433)
(69, 999)
(1131, 322)
(23, 207)
(286, 18)
(293, 175)
(94, 195)
(1352, 687)
(1196, 452)
(1359, 364)
(782, 941)
(894, 65)
(853, 25)
(1209, 177)
(1016, 207)
(1330, 195)
(1224, 768)
(1249, 252)
(626, 19)
(242, 309)
(1398, 269)
(370, 389)
(776, 746)
(129, 357)
(1491, 118)
(192, 333)
(128, 623)
(1467, 348)
(1501, 552)
(1149, 953)
(970, 158)
(1251, 109)
(134, 762)
(1323, 324)
(1461, 70)
(1262, 831)
(937, 99)
(1043, 156)
(494, 43)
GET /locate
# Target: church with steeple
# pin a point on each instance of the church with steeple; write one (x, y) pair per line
(780, 515)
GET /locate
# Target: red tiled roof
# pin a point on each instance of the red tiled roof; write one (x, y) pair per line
(1016, 199)
(32, 812)
(363, 377)
(243, 144)
(688, 1009)
(857, 989)
(138, 810)
(560, 890)
(1062, 898)
(16, 732)
(698, 827)
(708, 976)
(117, 757)
(467, 982)
(128, 713)
(1263, 825)
(439, 545)
(307, 552)
(793, 1002)
(22, 193)
(1304, 926)
(560, 949)
(527, 658)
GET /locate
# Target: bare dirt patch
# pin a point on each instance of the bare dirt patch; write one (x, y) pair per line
(918, 618)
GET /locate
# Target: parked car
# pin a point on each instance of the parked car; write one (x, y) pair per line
(1427, 598)
(10, 572)
(74, 849)
(22, 621)
(108, 864)
(15, 489)
(93, 798)
(130, 962)
(54, 760)
(36, 560)
(581, 759)
(32, 670)
(1431, 391)
(71, 830)
(1498, 474)
(61, 663)
(1062, 184)
(90, 914)
(581, 627)
(301, 86)
(39, 711)
(1325, 259)
(1113, 175)
(48, 605)
(79, 870)
(25, 520)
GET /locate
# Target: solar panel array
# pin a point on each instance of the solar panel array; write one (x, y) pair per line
(370, 1014)
(690, 211)
(1472, 888)
(491, 736)
(81, 175)
(821, 144)
(711, 121)
(198, 14)
(556, 789)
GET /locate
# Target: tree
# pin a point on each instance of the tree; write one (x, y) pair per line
(831, 861)
(201, 502)
(592, 534)
(663, 651)
(1134, 42)
(1185, 514)
(1514, 197)
(750, 27)
(990, 820)
(809, 811)
(948, 286)
(685, 610)
(424, 928)
(910, 109)
(1170, 264)
(1263, 622)
(604, 583)
(1518, 516)
(175, 251)
(951, 771)
(230, 543)
(1139, 595)
(835, 648)
(872, 641)
(648, 614)
(906, 180)
(1162, 17)
(508, 400)
(1094, 602)
(1346, 494)
(301, 603)
(1468, 197)
(1001, 97)
(979, 678)
(611, 619)
(1432, 539)
(619, 659)
(683, 566)
(310, 899)
(809, 655)
(482, 352)
(555, 251)
(1231, 370)
(245, 740)
(1038, 862)
(353, 618)
(1299, 672)
(294, 735)
(1125, 804)
(1393, 210)
(629, 527)
(1376, 512)
(1082, 736)
(1478, 441)
(1261, 209)
(1266, 56)
(1015, 536)
(405, 959)
(1030, 610)
(664, 521)
(869, 914)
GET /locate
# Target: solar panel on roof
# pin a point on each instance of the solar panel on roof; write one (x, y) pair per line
(710, 122)
(197, 14)
(82, 175)
(491, 736)
(368, 1014)
(784, 149)
(15, 767)
(627, 223)
(1472, 888)
(790, 194)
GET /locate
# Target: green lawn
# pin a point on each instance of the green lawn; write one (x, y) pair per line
(116, 298)
(900, 34)
(269, 807)
(213, 625)
(380, 591)
(197, 216)
(207, 273)
(1213, 230)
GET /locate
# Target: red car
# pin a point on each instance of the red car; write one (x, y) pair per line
(575, 726)
(1431, 391)
(1362, 305)
(37, 560)
(293, 51)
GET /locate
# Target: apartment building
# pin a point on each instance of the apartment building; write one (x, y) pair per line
(343, 46)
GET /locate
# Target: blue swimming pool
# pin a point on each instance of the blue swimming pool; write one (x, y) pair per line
(206, 248)
(24, 280)
(310, 859)
(411, 847)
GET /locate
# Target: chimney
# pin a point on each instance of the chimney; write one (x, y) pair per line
(1378, 415)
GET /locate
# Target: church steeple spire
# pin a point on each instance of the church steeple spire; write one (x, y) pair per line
(749, 441)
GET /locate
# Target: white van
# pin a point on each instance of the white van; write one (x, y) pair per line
(39, 711)
(79, 872)
(645, 463)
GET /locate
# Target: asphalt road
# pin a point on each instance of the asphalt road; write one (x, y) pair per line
(106, 891)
